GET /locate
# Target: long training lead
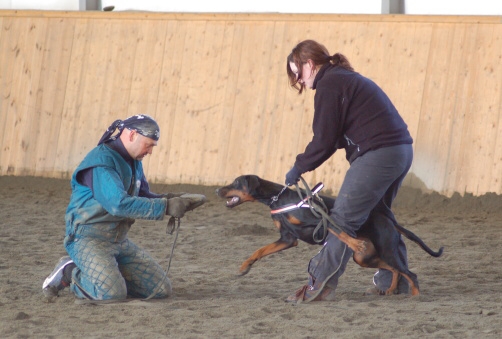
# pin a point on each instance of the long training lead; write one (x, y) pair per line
(171, 227)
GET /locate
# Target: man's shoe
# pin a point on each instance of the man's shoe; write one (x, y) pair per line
(58, 280)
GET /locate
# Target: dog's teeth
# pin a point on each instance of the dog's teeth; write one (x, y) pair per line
(232, 201)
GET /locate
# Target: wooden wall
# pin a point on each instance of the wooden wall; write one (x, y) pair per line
(216, 84)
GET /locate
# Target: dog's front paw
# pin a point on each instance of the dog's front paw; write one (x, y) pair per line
(245, 268)
(241, 273)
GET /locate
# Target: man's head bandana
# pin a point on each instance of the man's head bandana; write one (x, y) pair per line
(141, 123)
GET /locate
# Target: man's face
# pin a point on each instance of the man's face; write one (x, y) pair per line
(139, 146)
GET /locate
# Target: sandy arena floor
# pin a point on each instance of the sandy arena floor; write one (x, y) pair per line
(461, 292)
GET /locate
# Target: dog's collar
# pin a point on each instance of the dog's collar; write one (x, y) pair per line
(302, 204)
(276, 197)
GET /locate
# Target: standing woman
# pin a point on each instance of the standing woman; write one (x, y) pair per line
(350, 112)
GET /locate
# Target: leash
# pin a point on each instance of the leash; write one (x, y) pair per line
(316, 205)
(171, 227)
(319, 210)
(276, 197)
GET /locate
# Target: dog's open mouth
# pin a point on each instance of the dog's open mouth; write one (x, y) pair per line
(233, 201)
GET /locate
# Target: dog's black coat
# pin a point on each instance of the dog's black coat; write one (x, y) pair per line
(380, 233)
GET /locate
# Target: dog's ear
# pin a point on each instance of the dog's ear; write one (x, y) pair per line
(253, 182)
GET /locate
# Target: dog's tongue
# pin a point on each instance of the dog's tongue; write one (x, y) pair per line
(232, 201)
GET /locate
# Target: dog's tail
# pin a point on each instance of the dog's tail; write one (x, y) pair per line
(413, 237)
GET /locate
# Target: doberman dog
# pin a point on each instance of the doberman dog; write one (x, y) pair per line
(375, 245)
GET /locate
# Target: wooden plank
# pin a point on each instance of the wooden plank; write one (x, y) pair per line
(170, 82)
(7, 55)
(450, 105)
(188, 123)
(21, 132)
(12, 52)
(217, 51)
(270, 158)
(202, 114)
(101, 71)
(493, 91)
(112, 64)
(268, 83)
(64, 163)
(51, 93)
(434, 128)
(250, 99)
(150, 46)
(223, 126)
(482, 108)
(231, 158)
(30, 133)
(456, 98)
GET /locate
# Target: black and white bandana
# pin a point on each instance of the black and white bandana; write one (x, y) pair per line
(141, 123)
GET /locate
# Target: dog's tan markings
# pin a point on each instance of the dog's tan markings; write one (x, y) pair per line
(395, 280)
(277, 224)
(370, 258)
(243, 196)
(264, 251)
(356, 245)
(293, 220)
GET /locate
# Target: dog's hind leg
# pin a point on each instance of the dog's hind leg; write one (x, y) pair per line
(395, 279)
(371, 259)
(412, 280)
(358, 245)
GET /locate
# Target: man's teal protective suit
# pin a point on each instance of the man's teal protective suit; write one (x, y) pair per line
(109, 265)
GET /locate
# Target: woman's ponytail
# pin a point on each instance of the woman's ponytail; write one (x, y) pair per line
(338, 59)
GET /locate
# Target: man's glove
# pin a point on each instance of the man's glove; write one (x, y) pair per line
(192, 201)
(172, 195)
(176, 207)
(293, 176)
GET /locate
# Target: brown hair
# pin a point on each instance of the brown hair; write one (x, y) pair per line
(312, 50)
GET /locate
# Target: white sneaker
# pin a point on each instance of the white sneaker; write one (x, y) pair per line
(56, 281)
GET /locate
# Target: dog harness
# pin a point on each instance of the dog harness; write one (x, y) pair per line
(302, 203)
(318, 208)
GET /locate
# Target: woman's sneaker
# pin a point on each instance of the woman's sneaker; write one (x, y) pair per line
(312, 292)
(59, 278)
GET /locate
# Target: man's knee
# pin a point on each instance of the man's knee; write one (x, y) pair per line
(116, 292)
(95, 293)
